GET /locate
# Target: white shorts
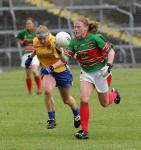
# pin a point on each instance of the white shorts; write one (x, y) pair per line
(35, 60)
(97, 79)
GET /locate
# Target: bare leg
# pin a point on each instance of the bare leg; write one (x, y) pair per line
(37, 78)
(67, 99)
(86, 89)
(107, 98)
(29, 80)
(49, 84)
(70, 101)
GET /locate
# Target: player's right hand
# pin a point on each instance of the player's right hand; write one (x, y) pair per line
(28, 62)
(46, 70)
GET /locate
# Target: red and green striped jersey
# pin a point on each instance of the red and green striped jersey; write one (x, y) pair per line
(91, 52)
(24, 34)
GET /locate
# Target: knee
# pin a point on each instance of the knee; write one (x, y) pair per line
(35, 72)
(84, 101)
(48, 93)
(28, 75)
(66, 99)
(66, 102)
(104, 104)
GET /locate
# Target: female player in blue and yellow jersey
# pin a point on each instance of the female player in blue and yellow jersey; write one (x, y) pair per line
(95, 56)
(25, 37)
(54, 73)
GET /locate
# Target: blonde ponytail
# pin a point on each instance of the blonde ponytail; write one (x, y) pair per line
(93, 27)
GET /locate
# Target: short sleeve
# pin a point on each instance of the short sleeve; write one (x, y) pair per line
(69, 51)
(103, 44)
(21, 35)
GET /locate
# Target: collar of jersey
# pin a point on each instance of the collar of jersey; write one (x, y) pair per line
(82, 37)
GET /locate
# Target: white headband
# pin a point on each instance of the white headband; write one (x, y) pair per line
(42, 34)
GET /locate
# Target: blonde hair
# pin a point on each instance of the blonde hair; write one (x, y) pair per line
(42, 29)
(92, 27)
(30, 19)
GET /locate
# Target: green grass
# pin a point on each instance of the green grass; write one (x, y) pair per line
(23, 117)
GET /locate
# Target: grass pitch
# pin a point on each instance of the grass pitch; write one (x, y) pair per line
(23, 117)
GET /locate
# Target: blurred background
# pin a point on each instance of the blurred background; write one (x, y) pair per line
(119, 21)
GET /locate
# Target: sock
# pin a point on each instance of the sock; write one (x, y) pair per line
(112, 96)
(29, 85)
(84, 115)
(109, 79)
(76, 111)
(51, 115)
(38, 83)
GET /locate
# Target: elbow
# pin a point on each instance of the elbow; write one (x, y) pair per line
(113, 52)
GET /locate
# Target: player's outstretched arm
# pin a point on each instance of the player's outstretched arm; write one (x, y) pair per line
(63, 58)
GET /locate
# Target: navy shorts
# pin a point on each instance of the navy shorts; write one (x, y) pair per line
(63, 79)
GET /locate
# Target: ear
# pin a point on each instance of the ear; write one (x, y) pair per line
(33, 26)
(86, 28)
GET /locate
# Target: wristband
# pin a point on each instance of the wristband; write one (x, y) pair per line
(51, 68)
(110, 65)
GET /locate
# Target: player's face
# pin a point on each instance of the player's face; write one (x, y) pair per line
(29, 25)
(79, 29)
(42, 40)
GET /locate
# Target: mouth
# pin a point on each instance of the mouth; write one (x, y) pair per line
(42, 40)
(76, 33)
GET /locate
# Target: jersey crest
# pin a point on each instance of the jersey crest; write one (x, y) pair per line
(75, 47)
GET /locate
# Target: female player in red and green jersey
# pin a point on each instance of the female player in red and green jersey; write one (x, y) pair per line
(25, 37)
(95, 56)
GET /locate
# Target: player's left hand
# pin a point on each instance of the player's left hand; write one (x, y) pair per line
(107, 69)
(28, 62)
(46, 70)
(58, 50)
